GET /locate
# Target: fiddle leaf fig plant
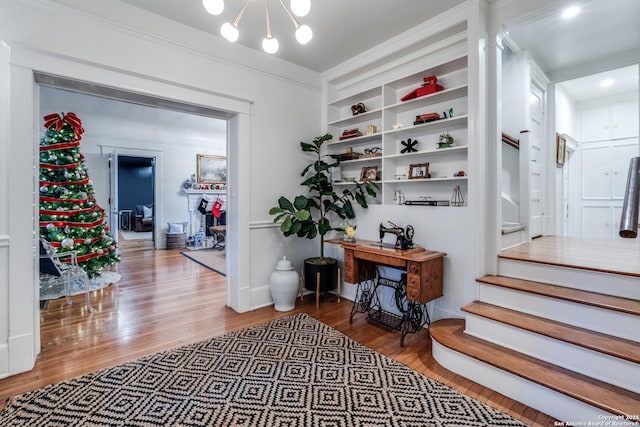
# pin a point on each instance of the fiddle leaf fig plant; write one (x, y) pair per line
(309, 215)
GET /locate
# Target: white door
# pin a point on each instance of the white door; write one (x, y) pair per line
(625, 120)
(536, 156)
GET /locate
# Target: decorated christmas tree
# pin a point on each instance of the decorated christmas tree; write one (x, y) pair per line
(70, 218)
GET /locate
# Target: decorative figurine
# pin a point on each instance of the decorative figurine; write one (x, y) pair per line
(446, 140)
(457, 199)
(409, 146)
(358, 108)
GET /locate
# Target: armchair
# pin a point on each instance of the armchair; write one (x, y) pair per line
(143, 218)
(56, 273)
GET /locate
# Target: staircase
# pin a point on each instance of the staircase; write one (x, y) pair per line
(561, 337)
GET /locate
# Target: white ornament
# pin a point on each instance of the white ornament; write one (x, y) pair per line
(284, 285)
(67, 243)
(50, 227)
(43, 189)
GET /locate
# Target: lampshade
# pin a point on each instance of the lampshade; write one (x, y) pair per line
(214, 7)
(304, 34)
(270, 45)
(301, 7)
(229, 32)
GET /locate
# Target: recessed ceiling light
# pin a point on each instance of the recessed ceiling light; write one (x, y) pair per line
(607, 82)
(570, 12)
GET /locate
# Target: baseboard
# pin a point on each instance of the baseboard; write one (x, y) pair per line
(21, 354)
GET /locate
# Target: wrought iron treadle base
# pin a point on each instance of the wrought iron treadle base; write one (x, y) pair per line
(414, 316)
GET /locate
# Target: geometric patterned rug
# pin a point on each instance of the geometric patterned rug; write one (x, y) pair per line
(293, 371)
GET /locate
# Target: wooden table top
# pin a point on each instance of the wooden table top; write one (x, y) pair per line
(417, 254)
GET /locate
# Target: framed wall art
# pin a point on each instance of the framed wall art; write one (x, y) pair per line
(561, 149)
(211, 169)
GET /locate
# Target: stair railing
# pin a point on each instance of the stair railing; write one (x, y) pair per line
(629, 219)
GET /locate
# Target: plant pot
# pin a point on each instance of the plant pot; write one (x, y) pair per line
(328, 269)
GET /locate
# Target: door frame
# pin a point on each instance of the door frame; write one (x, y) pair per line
(23, 66)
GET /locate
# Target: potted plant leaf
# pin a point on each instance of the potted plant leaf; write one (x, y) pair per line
(309, 215)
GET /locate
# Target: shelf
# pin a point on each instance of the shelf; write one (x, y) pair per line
(428, 152)
(354, 99)
(211, 191)
(434, 125)
(366, 116)
(352, 182)
(423, 180)
(444, 95)
(358, 139)
(366, 159)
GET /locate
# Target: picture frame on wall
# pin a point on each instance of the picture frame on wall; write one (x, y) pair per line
(561, 149)
(211, 169)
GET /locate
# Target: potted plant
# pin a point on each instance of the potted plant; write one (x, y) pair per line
(310, 215)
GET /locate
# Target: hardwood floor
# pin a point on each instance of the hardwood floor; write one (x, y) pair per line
(164, 300)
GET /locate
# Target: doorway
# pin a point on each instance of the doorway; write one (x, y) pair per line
(598, 116)
(135, 202)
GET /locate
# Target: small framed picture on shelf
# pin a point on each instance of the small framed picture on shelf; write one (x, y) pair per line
(369, 173)
(419, 171)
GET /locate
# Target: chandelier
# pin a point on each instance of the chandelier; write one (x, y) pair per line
(229, 30)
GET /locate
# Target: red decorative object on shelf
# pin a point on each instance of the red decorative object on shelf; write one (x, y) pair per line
(350, 133)
(429, 86)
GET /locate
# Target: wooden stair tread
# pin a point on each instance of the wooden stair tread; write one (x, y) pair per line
(614, 256)
(596, 341)
(616, 400)
(610, 302)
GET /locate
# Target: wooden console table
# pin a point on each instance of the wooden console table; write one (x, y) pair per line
(421, 283)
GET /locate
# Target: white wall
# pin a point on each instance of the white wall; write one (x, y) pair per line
(278, 104)
(567, 121)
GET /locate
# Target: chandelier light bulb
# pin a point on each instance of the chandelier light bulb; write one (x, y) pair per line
(229, 32)
(304, 34)
(270, 44)
(301, 7)
(214, 7)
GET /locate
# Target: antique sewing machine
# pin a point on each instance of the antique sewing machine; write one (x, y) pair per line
(404, 236)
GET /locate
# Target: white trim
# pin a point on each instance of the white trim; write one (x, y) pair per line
(255, 225)
(23, 63)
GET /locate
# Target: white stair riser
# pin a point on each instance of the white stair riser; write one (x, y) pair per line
(597, 365)
(594, 281)
(597, 319)
(511, 240)
(538, 397)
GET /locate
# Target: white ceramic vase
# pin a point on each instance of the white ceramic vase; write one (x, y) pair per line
(285, 285)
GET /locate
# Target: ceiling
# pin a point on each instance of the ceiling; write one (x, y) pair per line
(342, 29)
(603, 33)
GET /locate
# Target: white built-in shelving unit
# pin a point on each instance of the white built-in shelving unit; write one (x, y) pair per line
(384, 109)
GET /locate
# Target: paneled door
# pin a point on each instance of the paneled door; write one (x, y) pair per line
(536, 156)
